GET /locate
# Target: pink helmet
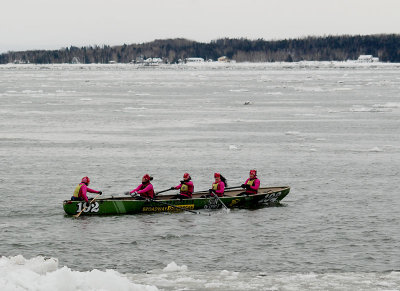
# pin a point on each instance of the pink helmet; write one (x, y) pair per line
(253, 172)
(217, 175)
(85, 180)
(147, 177)
(186, 176)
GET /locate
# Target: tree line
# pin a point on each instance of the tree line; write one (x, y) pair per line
(327, 48)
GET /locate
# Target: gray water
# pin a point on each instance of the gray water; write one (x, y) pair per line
(329, 131)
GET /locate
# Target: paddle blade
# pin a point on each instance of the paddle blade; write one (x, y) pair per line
(77, 215)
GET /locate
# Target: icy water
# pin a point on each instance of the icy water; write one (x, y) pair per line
(328, 130)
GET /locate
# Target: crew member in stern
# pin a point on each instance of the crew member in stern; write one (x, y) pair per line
(145, 190)
(186, 187)
(82, 189)
(252, 184)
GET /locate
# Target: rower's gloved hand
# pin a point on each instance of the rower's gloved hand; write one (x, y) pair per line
(243, 186)
(172, 188)
(182, 181)
(210, 191)
(126, 193)
(247, 186)
(100, 192)
(134, 194)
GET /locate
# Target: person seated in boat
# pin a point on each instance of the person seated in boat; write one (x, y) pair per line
(186, 187)
(81, 190)
(218, 187)
(251, 185)
(144, 190)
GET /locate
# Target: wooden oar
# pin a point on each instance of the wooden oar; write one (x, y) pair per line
(181, 208)
(215, 195)
(234, 187)
(228, 188)
(169, 189)
(77, 215)
(155, 194)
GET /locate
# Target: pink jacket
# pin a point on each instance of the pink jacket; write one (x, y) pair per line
(190, 190)
(84, 189)
(146, 191)
(220, 189)
(253, 189)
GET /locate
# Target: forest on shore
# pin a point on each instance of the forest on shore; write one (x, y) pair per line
(327, 48)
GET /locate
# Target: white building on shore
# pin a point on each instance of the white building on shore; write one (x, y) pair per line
(194, 60)
(367, 59)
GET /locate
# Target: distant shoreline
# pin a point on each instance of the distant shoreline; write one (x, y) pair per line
(382, 47)
(214, 65)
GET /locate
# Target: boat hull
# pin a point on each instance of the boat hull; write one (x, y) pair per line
(166, 203)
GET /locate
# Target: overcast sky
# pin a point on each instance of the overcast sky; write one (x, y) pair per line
(52, 24)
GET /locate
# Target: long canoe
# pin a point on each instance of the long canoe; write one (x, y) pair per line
(166, 203)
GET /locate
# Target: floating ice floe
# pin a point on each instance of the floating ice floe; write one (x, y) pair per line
(358, 108)
(32, 91)
(387, 105)
(43, 274)
(292, 133)
(173, 267)
(134, 108)
(238, 90)
(375, 149)
(309, 89)
(65, 91)
(233, 147)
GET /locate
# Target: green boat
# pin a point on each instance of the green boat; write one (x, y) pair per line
(266, 196)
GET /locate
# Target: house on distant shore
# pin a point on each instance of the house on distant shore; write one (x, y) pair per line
(367, 59)
(223, 59)
(152, 61)
(20, 62)
(194, 60)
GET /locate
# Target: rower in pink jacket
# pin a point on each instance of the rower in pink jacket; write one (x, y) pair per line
(145, 190)
(252, 184)
(186, 187)
(82, 189)
(218, 187)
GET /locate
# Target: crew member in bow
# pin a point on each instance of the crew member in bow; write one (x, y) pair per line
(252, 184)
(144, 190)
(186, 187)
(81, 190)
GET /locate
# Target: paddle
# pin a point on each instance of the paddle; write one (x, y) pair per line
(77, 215)
(227, 188)
(234, 187)
(169, 189)
(215, 195)
(155, 194)
(181, 208)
